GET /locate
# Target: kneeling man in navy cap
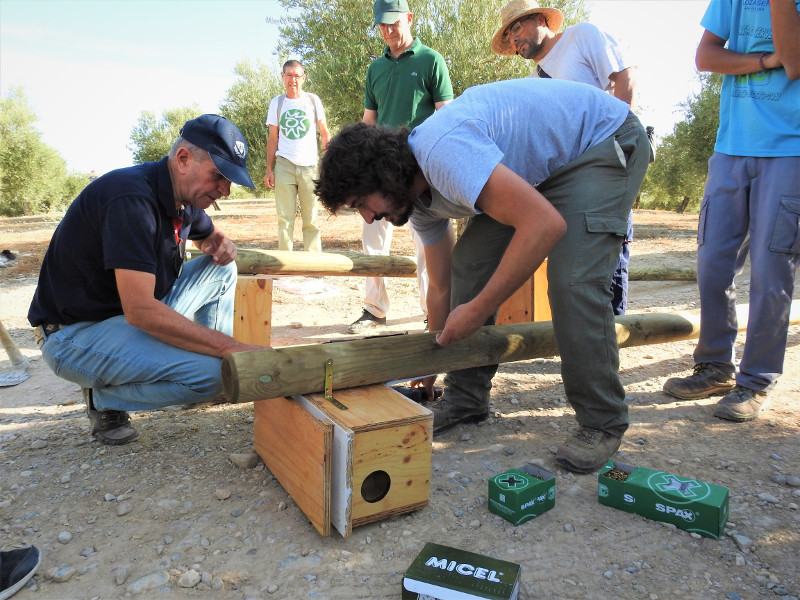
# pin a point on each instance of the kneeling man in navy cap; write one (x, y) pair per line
(117, 310)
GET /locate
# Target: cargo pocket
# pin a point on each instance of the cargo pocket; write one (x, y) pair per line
(600, 248)
(786, 235)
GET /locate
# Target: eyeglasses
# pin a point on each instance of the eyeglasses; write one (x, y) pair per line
(292, 76)
(516, 27)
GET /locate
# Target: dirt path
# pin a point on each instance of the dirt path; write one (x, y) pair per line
(172, 516)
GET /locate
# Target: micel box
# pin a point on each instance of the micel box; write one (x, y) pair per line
(444, 573)
(521, 494)
(692, 505)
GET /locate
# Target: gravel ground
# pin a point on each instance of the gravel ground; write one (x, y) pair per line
(189, 511)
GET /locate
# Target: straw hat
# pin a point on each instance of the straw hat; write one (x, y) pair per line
(516, 9)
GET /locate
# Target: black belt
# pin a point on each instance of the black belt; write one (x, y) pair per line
(45, 330)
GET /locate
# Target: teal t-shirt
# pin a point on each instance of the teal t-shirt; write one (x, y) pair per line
(404, 90)
(759, 113)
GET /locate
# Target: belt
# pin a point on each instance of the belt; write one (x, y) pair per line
(43, 331)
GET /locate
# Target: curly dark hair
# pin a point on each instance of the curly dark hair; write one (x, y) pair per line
(363, 159)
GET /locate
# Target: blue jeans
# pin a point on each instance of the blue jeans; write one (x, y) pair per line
(751, 205)
(131, 370)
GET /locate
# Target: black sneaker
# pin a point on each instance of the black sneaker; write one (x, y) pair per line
(706, 380)
(16, 568)
(365, 322)
(111, 427)
(740, 405)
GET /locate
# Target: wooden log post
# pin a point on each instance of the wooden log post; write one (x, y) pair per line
(250, 376)
(251, 261)
(283, 262)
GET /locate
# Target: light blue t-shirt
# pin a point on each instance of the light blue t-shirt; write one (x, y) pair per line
(759, 113)
(532, 126)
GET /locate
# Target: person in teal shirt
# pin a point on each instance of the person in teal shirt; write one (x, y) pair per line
(751, 203)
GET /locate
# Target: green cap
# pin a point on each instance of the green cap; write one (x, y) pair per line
(388, 11)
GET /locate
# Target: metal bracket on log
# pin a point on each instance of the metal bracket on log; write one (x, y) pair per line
(329, 385)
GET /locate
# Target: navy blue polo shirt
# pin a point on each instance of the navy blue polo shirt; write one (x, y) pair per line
(122, 220)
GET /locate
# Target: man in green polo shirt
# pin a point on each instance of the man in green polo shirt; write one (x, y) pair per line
(403, 88)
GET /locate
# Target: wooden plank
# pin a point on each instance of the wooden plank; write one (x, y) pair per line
(341, 471)
(370, 407)
(541, 302)
(403, 453)
(252, 310)
(260, 374)
(282, 262)
(296, 448)
(518, 308)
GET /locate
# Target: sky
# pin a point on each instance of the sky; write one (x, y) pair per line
(88, 68)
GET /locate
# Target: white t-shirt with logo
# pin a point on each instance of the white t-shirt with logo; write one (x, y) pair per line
(297, 140)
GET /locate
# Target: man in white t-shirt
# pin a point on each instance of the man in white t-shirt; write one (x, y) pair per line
(581, 53)
(293, 119)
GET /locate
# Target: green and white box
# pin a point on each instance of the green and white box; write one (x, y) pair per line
(521, 494)
(444, 573)
(692, 505)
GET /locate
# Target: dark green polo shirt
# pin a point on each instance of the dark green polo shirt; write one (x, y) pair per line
(405, 89)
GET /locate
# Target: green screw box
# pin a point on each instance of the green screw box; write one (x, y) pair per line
(522, 494)
(443, 573)
(692, 505)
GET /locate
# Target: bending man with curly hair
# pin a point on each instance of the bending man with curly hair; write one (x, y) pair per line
(543, 168)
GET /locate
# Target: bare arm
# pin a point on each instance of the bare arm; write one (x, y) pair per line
(272, 148)
(625, 85)
(142, 310)
(714, 57)
(786, 35)
(511, 200)
(438, 105)
(370, 116)
(437, 260)
(324, 134)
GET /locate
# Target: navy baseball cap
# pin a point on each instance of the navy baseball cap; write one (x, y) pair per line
(388, 11)
(224, 143)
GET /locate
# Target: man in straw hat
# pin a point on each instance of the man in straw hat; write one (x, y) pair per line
(117, 310)
(580, 53)
(542, 168)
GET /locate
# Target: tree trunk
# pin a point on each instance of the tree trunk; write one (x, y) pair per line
(256, 375)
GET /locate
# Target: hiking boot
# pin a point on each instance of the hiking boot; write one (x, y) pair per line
(16, 568)
(587, 450)
(111, 427)
(706, 380)
(447, 415)
(742, 404)
(365, 322)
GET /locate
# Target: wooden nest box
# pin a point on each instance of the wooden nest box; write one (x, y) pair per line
(354, 457)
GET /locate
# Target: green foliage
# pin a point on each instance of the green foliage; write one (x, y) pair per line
(336, 42)
(681, 166)
(245, 104)
(33, 177)
(152, 138)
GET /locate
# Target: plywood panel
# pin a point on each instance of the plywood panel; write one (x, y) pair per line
(297, 448)
(404, 454)
(252, 310)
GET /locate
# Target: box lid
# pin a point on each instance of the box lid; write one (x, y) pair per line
(453, 574)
